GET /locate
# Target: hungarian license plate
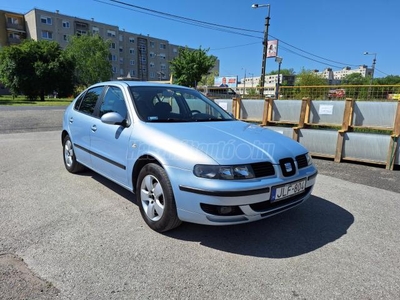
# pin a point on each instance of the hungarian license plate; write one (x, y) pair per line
(287, 190)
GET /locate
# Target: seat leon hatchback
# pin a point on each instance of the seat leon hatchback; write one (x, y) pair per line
(184, 157)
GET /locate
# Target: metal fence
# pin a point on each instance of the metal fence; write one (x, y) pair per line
(341, 92)
(366, 131)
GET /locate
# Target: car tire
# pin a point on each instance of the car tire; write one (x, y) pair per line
(69, 157)
(156, 199)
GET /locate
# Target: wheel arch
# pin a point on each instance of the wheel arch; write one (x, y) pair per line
(139, 164)
(64, 133)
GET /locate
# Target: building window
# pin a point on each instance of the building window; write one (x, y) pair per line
(111, 33)
(114, 70)
(121, 38)
(65, 37)
(152, 44)
(112, 57)
(143, 59)
(95, 30)
(80, 32)
(152, 54)
(121, 60)
(112, 46)
(46, 20)
(65, 24)
(175, 50)
(163, 67)
(162, 56)
(132, 62)
(48, 35)
(121, 71)
(163, 46)
(131, 51)
(152, 75)
(132, 72)
(151, 65)
(11, 20)
(131, 40)
(121, 49)
(15, 36)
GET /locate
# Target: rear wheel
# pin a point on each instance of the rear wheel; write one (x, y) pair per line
(156, 199)
(70, 162)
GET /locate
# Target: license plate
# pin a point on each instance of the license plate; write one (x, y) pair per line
(288, 190)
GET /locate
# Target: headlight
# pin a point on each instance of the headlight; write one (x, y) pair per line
(224, 172)
(309, 159)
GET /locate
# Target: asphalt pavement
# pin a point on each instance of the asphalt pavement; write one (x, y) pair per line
(81, 236)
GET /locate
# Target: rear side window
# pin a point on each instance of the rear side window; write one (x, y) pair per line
(88, 103)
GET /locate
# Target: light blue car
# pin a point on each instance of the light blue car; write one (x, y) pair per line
(184, 157)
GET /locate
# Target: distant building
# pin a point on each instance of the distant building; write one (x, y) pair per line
(271, 82)
(335, 77)
(136, 55)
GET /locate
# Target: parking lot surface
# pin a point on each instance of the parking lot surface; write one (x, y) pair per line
(70, 236)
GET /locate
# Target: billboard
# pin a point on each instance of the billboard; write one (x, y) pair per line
(272, 49)
(225, 81)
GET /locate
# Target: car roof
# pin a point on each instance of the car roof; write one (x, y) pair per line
(140, 83)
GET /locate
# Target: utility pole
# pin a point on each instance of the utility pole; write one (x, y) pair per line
(265, 48)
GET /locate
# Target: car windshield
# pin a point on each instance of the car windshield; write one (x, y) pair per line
(175, 104)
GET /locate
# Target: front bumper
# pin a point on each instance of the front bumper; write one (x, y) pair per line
(246, 201)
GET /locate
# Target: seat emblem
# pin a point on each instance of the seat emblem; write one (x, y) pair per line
(288, 167)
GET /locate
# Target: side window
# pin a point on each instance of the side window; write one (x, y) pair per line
(89, 101)
(78, 102)
(113, 101)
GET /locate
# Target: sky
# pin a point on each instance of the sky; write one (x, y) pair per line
(311, 34)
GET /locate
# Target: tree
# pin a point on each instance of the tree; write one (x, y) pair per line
(309, 78)
(306, 81)
(36, 68)
(388, 80)
(208, 79)
(190, 65)
(91, 55)
(355, 79)
(283, 72)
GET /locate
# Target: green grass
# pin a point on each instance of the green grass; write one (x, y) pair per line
(22, 101)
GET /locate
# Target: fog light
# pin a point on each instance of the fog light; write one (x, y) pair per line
(225, 210)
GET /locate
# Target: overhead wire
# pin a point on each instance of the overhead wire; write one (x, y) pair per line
(223, 28)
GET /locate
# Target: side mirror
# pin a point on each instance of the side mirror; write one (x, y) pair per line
(114, 118)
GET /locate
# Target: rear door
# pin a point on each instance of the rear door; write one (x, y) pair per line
(80, 121)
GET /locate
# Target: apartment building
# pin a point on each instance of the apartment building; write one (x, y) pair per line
(12, 28)
(335, 77)
(133, 55)
(271, 82)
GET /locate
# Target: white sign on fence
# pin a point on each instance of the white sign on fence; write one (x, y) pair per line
(325, 109)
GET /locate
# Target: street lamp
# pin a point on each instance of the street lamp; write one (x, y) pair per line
(373, 64)
(265, 43)
(252, 75)
(244, 82)
(373, 71)
(279, 61)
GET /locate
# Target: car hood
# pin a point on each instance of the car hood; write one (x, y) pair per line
(232, 142)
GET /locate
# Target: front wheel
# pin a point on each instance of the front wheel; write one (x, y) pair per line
(70, 162)
(156, 199)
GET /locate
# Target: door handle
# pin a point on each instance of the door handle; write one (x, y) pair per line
(71, 120)
(94, 128)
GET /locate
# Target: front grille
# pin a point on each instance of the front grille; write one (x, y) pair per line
(301, 161)
(263, 169)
